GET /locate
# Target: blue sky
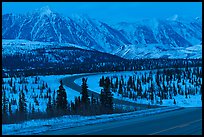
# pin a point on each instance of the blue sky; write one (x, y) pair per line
(112, 12)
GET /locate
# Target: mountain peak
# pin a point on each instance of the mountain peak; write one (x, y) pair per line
(45, 10)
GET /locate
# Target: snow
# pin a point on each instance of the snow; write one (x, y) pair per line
(45, 11)
(93, 84)
(12, 47)
(53, 84)
(41, 125)
(193, 101)
(158, 51)
(53, 81)
(38, 126)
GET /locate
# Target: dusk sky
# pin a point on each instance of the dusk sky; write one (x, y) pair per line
(112, 12)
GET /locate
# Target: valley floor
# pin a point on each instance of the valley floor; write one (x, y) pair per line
(41, 125)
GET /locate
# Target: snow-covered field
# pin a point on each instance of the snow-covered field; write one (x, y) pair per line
(33, 90)
(38, 126)
(93, 84)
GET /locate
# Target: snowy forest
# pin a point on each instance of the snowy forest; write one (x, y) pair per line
(25, 98)
(158, 85)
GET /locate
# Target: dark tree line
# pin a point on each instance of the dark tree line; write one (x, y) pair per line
(88, 66)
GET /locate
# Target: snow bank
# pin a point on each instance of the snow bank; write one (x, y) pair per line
(39, 126)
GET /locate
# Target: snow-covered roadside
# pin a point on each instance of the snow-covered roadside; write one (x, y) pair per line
(38, 126)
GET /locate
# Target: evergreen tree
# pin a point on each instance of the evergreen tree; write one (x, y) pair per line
(36, 80)
(93, 104)
(174, 101)
(157, 78)
(72, 108)
(85, 98)
(3, 81)
(49, 108)
(93, 100)
(26, 88)
(5, 105)
(130, 82)
(54, 101)
(102, 101)
(61, 102)
(108, 96)
(11, 82)
(120, 90)
(10, 110)
(116, 83)
(140, 89)
(33, 109)
(22, 105)
(77, 108)
(43, 85)
(101, 82)
(14, 88)
(174, 90)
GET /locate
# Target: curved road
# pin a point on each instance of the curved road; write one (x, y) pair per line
(186, 121)
(69, 82)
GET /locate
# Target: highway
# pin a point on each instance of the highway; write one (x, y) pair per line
(69, 82)
(186, 121)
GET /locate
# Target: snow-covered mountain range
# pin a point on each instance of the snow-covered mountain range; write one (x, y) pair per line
(151, 38)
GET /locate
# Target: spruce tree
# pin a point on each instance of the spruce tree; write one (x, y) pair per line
(116, 83)
(85, 98)
(174, 89)
(102, 101)
(54, 101)
(120, 90)
(22, 105)
(101, 82)
(93, 104)
(4, 107)
(108, 96)
(11, 82)
(10, 110)
(33, 110)
(174, 101)
(49, 108)
(61, 101)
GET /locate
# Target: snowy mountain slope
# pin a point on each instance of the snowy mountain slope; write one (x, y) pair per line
(177, 33)
(153, 38)
(158, 51)
(45, 26)
(108, 38)
(191, 30)
(124, 39)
